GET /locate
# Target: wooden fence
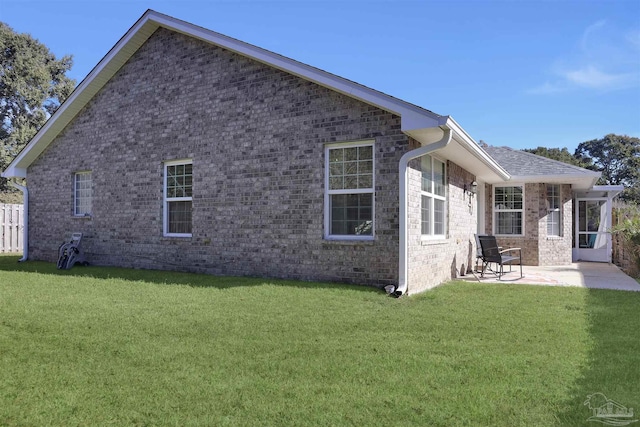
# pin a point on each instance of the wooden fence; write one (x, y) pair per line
(11, 228)
(626, 254)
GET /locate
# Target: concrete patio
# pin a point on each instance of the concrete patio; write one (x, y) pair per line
(595, 275)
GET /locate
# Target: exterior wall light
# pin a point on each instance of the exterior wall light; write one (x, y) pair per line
(474, 187)
(471, 190)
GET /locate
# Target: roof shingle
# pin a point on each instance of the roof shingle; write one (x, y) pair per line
(521, 163)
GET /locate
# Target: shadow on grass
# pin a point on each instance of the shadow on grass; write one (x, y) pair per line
(10, 263)
(613, 364)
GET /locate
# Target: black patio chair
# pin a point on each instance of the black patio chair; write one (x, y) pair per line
(479, 251)
(491, 253)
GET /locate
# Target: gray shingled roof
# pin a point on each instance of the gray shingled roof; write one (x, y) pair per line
(520, 163)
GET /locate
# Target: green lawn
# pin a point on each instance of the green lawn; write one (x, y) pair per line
(106, 346)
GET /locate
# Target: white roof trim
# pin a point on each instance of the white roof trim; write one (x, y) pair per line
(596, 191)
(554, 178)
(414, 119)
(615, 188)
(578, 181)
(82, 94)
(474, 149)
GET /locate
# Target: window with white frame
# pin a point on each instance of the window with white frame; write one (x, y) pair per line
(82, 193)
(178, 196)
(554, 213)
(508, 210)
(349, 195)
(433, 197)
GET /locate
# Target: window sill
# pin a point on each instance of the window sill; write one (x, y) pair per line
(555, 237)
(82, 216)
(348, 242)
(437, 241)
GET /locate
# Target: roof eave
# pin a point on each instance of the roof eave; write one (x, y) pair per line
(413, 117)
(598, 191)
(580, 181)
(82, 94)
(291, 66)
(14, 172)
(463, 150)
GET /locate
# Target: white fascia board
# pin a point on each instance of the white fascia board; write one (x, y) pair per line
(599, 192)
(555, 178)
(416, 123)
(14, 172)
(608, 188)
(462, 150)
(474, 149)
(81, 95)
(307, 72)
(413, 117)
(578, 181)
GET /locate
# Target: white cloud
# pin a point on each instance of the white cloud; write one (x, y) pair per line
(584, 41)
(592, 77)
(547, 88)
(607, 60)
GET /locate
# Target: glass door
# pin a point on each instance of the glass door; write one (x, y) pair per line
(592, 236)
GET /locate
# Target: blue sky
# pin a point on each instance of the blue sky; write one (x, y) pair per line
(513, 73)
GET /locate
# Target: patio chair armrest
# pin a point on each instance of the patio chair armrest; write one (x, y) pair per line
(511, 249)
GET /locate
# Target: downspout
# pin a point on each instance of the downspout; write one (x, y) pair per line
(403, 267)
(25, 228)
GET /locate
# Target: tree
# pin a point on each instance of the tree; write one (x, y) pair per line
(618, 158)
(33, 84)
(559, 154)
(627, 226)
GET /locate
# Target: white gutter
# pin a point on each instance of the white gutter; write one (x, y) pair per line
(25, 228)
(403, 265)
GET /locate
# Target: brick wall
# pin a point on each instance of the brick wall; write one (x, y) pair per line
(432, 262)
(555, 250)
(256, 136)
(537, 247)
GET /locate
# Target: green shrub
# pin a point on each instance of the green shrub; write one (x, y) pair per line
(628, 228)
